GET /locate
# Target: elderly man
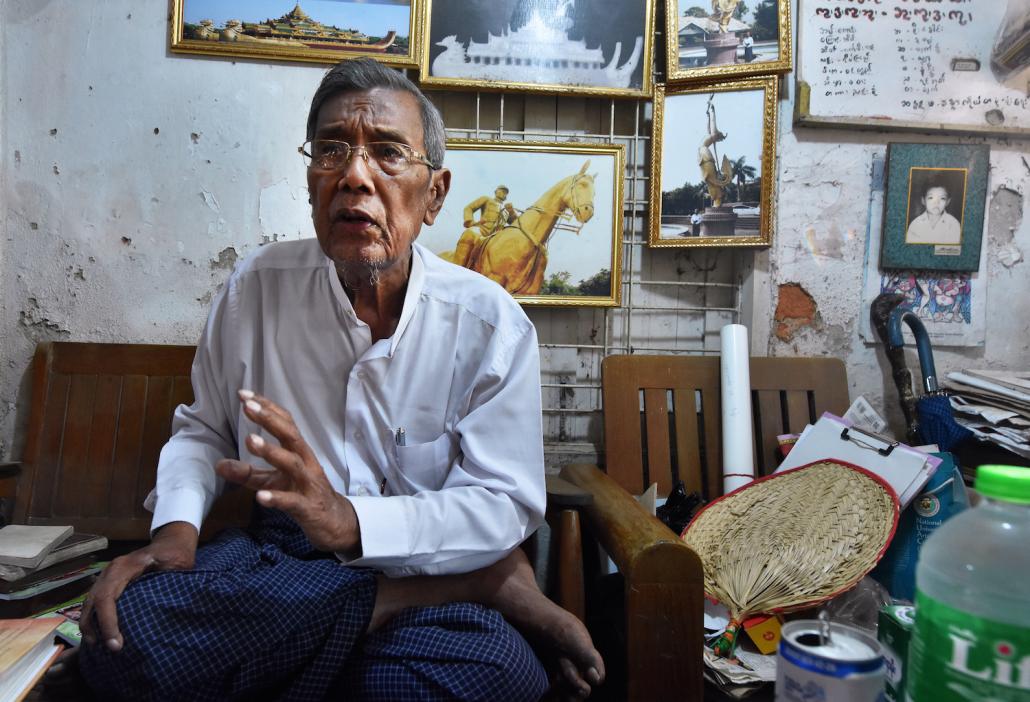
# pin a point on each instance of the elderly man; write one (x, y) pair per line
(385, 406)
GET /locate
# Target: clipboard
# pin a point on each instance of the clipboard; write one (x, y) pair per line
(904, 468)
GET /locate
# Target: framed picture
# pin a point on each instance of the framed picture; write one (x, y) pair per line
(719, 39)
(322, 31)
(543, 220)
(934, 206)
(723, 195)
(594, 47)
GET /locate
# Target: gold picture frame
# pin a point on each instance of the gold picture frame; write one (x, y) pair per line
(737, 117)
(696, 49)
(553, 237)
(604, 50)
(301, 35)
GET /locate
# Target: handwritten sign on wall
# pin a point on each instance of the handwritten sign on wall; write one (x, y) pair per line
(911, 64)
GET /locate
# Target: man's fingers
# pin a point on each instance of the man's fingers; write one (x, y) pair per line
(250, 477)
(279, 424)
(288, 462)
(289, 502)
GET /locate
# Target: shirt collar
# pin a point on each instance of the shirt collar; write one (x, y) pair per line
(416, 281)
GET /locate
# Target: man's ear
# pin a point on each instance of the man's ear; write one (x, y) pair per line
(438, 188)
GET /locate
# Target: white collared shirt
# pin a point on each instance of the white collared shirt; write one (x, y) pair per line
(460, 376)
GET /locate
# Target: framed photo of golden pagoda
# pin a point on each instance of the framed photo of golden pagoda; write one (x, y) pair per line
(591, 47)
(318, 31)
(713, 162)
(724, 39)
(543, 220)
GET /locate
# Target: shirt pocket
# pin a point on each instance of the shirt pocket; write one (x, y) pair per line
(425, 466)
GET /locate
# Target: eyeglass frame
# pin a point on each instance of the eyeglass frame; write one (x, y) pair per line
(417, 156)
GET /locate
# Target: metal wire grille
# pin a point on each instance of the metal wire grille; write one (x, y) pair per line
(674, 301)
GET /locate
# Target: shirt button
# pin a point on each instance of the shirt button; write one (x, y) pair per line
(362, 375)
(358, 435)
(363, 491)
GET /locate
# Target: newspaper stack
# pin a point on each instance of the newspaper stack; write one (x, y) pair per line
(994, 405)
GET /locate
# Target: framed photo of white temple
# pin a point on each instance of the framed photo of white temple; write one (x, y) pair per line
(721, 39)
(320, 31)
(594, 47)
(543, 220)
(713, 160)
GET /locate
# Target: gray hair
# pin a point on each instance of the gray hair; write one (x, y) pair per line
(365, 74)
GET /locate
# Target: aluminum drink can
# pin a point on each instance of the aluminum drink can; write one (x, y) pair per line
(845, 667)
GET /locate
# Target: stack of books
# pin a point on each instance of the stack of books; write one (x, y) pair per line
(43, 565)
(994, 405)
(27, 649)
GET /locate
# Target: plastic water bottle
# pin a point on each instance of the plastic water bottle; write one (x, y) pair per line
(972, 633)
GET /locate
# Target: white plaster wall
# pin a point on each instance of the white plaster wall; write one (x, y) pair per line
(132, 178)
(824, 186)
(112, 232)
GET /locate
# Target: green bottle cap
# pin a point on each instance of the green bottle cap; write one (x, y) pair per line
(1009, 483)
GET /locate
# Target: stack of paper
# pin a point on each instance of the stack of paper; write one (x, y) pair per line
(904, 468)
(994, 405)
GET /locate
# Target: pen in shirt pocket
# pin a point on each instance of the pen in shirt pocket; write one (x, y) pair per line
(399, 437)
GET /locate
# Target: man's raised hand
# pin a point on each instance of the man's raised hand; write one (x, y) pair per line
(298, 485)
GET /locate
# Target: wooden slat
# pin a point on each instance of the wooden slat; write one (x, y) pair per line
(122, 359)
(570, 569)
(798, 415)
(156, 422)
(78, 425)
(711, 411)
(688, 450)
(96, 483)
(122, 500)
(770, 426)
(44, 471)
(656, 410)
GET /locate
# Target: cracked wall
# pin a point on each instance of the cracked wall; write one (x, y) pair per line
(823, 212)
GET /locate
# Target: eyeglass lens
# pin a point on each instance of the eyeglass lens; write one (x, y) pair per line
(388, 156)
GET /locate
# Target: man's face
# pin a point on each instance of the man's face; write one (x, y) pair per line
(935, 200)
(362, 216)
(500, 194)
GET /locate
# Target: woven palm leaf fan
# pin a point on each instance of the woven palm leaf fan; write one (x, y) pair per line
(791, 540)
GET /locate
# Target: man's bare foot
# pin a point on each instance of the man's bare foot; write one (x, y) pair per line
(510, 588)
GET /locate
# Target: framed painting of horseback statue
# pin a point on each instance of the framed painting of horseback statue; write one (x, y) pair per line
(543, 220)
(322, 31)
(722, 196)
(593, 47)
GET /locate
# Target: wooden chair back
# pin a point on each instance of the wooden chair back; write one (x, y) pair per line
(663, 415)
(100, 415)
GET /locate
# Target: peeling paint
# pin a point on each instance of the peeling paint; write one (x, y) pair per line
(194, 137)
(226, 258)
(53, 132)
(32, 316)
(794, 309)
(56, 171)
(210, 200)
(126, 240)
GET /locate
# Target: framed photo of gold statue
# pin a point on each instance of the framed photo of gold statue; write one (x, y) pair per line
(710, 40)
(592, 47)
(543, 220)
(322, 31)
(713, 162)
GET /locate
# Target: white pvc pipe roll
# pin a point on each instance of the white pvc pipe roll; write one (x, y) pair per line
(738, 455)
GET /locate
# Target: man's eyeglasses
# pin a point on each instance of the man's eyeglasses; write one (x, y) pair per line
(389, 157)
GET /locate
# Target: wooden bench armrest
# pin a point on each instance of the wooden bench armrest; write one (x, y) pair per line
(664, 589)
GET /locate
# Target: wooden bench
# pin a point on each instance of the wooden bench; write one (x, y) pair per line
(100, 414)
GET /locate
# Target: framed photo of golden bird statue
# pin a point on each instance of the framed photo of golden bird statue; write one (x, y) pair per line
(713, 163)
(724, 39)
(543, 220)
(585, 47)
(319, 31)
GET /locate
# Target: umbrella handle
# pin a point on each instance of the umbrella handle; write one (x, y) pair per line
(926, 365)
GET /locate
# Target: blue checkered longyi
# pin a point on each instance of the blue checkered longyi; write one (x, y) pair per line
(262, 615)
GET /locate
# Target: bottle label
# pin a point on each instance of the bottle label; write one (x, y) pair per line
(957, 656)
